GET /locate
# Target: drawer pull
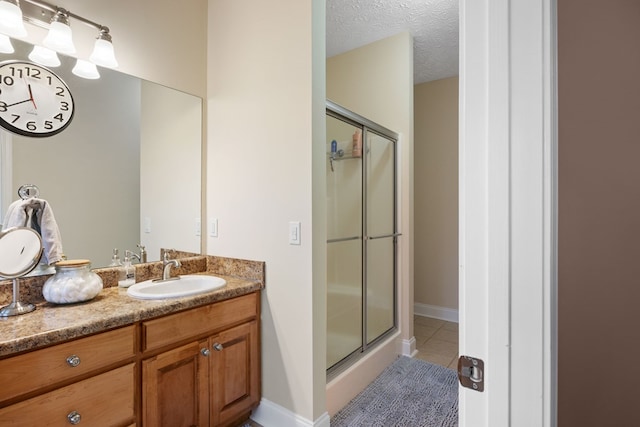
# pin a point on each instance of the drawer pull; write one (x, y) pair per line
(74, 417)
(73, 360)
(218, 347)
(205, 351)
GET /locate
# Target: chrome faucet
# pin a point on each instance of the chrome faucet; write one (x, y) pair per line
(142, 258)
(143, 254)
(167, 264)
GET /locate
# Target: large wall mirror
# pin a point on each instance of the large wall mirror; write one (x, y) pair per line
(127, 171)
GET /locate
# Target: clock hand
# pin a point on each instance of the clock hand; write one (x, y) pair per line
(19, 102)
(31, 97)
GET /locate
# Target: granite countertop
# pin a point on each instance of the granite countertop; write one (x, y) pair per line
(112, 308)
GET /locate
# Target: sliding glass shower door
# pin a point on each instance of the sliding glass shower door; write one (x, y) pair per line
(361, 235)
(380, 235)
(344, 244)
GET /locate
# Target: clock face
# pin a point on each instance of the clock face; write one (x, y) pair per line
(34, 101)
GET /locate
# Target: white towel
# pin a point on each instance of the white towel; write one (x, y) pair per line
(37, 214)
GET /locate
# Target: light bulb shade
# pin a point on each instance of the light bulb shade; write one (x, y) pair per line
(103, 54)
(86, 70)
(59, 38)
(44, 56)
(11, 19)
(5, 44)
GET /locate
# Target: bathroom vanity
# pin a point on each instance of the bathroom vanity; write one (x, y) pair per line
(120, 361)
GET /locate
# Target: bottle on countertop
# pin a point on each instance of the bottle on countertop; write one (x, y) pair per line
(115, 259)
(357, 144)
(127, 272)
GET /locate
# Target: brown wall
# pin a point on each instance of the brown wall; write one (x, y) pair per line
(599, 212)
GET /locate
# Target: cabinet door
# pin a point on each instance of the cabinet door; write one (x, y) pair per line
(235, 373)
(105, 400)
(175, 387)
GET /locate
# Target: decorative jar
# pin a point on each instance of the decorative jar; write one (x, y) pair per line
(73, 282)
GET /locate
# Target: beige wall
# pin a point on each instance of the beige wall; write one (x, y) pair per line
(266, 117)
(376, 82)
(145, 45)
(436, 193)
(599, 211)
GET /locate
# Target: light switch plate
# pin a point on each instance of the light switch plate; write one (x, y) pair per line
(294, 232)
(213, 227)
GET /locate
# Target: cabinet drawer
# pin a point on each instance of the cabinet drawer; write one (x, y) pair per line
(177, 327)
(40, 368)
(104, 400)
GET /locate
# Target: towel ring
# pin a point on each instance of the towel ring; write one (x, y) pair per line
(28, 191)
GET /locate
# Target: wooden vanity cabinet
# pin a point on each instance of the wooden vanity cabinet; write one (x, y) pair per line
(175, 387)
(88, 381)
(234, 383)
(201, 367)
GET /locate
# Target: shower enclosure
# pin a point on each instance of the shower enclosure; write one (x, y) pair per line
(361, 235)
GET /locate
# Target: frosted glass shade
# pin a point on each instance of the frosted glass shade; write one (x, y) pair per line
(5, 44)
(59, 38)
(11, 20)
(86, 70)
(103, 54)
(44, 56)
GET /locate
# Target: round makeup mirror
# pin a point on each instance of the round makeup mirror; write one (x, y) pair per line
(20, 252)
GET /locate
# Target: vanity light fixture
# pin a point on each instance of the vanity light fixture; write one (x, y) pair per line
(103, 54)
(85, 69)
(11, 19)
(44, 56)
(5, 44)
(59, 38)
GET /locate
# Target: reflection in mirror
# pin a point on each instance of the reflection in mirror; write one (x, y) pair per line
(127, 171)
(20, 251)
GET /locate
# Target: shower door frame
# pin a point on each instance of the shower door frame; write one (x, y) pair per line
(340, 113)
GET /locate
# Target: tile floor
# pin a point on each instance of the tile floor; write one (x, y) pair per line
(436, 341)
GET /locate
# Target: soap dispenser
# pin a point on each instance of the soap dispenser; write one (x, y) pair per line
(115, 259)
(127, 272)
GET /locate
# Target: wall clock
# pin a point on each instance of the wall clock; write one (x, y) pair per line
(34, 101)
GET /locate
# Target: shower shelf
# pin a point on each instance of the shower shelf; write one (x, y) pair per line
(345, 156)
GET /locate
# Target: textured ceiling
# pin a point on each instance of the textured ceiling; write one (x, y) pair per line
(432, 23)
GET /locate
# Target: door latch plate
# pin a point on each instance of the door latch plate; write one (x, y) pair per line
(471, 372)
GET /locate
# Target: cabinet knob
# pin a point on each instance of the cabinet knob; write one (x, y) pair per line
(74, 417)
(205, 351)
(73, 360)
(218, 347)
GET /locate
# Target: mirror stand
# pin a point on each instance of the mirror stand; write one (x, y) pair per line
(16, 307)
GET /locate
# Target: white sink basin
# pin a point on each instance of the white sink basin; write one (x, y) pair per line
(184, 286)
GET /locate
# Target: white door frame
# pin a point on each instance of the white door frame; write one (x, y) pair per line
(507, 205)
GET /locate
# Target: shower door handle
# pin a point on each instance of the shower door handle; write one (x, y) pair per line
(343, 239)
(382, 237)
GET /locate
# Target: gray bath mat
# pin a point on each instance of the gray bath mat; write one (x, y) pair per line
(410, 392)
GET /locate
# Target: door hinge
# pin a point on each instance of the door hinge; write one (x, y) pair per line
(471, 372)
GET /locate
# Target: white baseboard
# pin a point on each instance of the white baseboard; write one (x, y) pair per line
(269, 414)
(442, 313)
(409, 347)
